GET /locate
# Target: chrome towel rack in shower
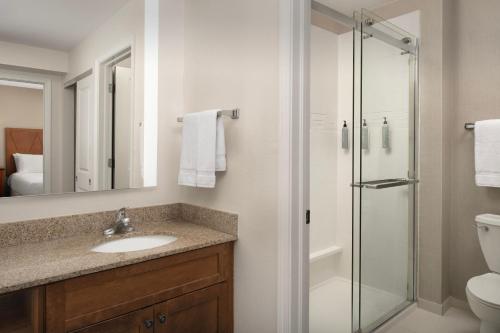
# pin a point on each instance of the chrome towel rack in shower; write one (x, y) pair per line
(234, 114)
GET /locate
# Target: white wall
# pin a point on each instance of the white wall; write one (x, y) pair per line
(124, 28)
(385, 213)
(385, 91)
(323, 142)
(385, 217)
(18, 55)
(323, 150)
(344, 157)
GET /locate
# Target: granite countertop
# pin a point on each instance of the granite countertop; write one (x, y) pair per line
(34, 264)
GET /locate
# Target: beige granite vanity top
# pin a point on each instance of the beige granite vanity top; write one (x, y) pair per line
(32, 264)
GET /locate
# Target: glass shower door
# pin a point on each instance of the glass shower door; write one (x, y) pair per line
(384, 115)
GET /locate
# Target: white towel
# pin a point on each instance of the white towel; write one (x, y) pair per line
(487, 152)
(203, 149)
(220, 149)
(189, 150)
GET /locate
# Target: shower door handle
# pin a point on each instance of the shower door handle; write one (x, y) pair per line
(385, 183)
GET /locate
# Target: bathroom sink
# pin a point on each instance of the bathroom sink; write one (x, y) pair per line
(134, 244)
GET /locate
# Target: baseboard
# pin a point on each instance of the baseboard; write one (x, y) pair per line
(430, 306)
(440, 309)
(453, 302)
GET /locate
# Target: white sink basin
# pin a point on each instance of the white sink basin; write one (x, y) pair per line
(134, 244)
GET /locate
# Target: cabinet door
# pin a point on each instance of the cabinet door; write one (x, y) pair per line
(141, 321)
(91, 299)
(22, 311)
(203, 311)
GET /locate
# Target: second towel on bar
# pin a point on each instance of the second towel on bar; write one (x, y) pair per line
(203, 149)
(487, 152)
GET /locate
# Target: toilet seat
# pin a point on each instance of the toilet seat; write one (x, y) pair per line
(486, 289)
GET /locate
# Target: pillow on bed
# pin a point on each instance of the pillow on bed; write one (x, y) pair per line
(28, 162)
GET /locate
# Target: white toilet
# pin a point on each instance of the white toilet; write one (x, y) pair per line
(483, 292)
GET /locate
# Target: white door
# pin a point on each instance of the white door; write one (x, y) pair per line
(123, 127)
(84, 143)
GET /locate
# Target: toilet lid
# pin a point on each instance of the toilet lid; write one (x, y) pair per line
(486, 288)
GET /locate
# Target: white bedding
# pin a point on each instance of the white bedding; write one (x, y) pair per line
(26, 183)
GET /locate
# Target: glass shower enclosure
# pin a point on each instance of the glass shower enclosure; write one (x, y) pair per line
(384, 171)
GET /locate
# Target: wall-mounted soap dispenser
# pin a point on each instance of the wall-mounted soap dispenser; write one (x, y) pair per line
(385, 135)
(345, 136)
(364, 136)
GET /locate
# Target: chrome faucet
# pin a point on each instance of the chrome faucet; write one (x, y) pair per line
(122, 224)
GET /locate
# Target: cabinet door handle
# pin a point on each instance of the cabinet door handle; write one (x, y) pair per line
(162, 318)
(148, 323)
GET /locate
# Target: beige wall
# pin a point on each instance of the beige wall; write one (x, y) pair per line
(473, 55)
(231, 61)
(19, 108)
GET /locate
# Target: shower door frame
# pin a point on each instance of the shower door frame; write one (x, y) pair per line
(413, 170)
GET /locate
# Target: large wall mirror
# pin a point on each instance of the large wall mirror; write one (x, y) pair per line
(78, 95)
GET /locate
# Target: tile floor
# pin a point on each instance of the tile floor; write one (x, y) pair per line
(330, 306)
(421, 321)
(330, 312)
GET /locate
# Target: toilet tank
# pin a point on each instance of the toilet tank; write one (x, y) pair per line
(488, 230)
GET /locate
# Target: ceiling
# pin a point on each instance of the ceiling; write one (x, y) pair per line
(348, 7)
(53, 24)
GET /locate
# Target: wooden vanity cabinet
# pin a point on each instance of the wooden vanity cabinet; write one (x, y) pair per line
(22, 311)
(202, 311)
(190, 292)
(140, 321)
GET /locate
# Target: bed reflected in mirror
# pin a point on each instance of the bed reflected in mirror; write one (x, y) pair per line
(78, 96)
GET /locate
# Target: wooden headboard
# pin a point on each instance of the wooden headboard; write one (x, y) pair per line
(23, 141)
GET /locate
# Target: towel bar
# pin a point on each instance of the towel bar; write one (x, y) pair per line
(469, 126)
(234, 114)
(385, 183)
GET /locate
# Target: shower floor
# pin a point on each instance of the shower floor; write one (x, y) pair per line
(330, 305)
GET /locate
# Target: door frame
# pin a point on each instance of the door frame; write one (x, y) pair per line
(104, 67)
(293, 232)
(103, 70)
(9, 75)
